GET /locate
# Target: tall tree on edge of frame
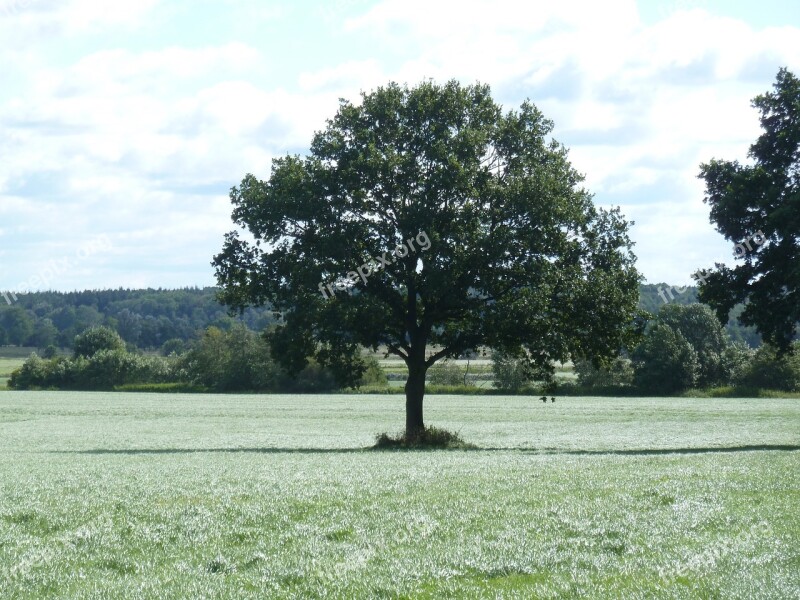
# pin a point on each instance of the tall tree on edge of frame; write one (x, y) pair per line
(762, 199)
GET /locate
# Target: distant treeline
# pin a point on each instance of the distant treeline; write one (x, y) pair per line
(143, 318)
(150, 318)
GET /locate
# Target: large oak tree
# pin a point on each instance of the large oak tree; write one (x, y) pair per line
(757, 207)
(499, 244)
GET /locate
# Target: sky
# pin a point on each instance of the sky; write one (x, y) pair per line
(123, 125)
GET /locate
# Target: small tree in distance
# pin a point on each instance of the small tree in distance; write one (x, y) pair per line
(509, 373)
(664, 363)
(684, 346)
(616, 374)
(510, 251)
(91, 341)
(700, 327)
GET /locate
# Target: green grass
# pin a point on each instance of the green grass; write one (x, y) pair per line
(202, 496)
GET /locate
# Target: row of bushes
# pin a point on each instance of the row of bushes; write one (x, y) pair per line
(746, 369)
(103, 370)
(685, 347)
(223, 361)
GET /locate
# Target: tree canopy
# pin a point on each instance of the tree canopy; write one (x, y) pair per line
(684, 346)
(429, 222)
(93, 340)
(757, 208)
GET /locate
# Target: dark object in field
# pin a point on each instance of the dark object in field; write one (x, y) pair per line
(430, 438)
(552, 399)
(543, 398)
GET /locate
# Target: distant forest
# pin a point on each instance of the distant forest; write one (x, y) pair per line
(148, 319)
(143, 318)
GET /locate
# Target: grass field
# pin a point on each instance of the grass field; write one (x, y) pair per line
(171, 496)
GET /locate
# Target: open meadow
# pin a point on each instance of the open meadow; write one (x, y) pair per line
(250, 496)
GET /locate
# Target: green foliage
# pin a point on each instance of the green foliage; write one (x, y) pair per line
(33, 374)
(104, 370)
(652, 296)
(223, 361)
(16, 326)
(664, 363)
(373, 375)
(510, 373)
(174, 346)
(511, 252)
(96, 339)
(462, 390)
(698, 325)
(429, 438)
(736, 360)
(143, 318)
(240, 360)
(313, 378)
(44, 333)
(109, 368)
(739, 333)
(446, 373)
(150, 318)
(232, 360)
(771, 370)
(713, 361)
(761, 200)
(619, 373)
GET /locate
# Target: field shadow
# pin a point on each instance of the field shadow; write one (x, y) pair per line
(265, 450)
(662, 451)
(537, 451)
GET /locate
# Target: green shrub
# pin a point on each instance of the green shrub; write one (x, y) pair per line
(32, 374)
(664, 363)
(174, 346)
(736, 360)
(109, 368)
(229, 361)
(699, 326)
(510, 373)
(374, 374)
(466, 390)
(95, 339)
(314, 378)
(769, 371)
(619, 373)
(446, 373)
(430, 438)
(104, 370)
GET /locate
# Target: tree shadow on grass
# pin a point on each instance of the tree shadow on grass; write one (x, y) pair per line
(662, 451)
(369, 450)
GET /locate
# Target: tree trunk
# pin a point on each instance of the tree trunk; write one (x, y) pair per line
(415, 392)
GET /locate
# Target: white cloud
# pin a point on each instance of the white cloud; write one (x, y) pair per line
(74, 16)
(142, 140)
(346, 77)
(681, 86)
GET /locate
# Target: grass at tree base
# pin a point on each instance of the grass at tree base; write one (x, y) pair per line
(429, 438)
